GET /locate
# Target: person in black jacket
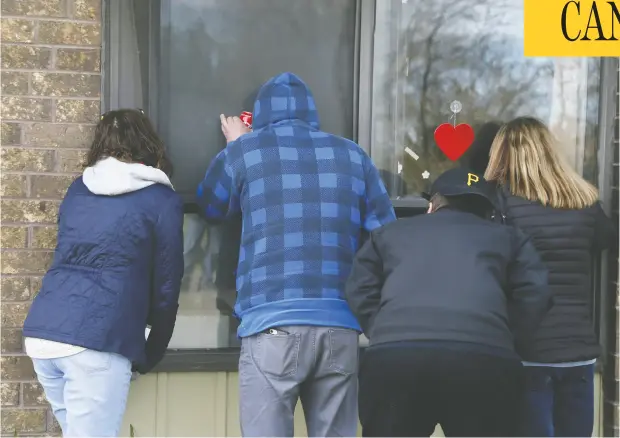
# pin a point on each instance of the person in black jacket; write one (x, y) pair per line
(446, 300)
(548, 200)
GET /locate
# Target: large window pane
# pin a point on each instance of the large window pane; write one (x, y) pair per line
(429, 53)
(215, 54)
(187, 61)
(208, 289)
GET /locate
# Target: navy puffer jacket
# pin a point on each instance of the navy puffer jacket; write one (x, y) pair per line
(117, 267)
(568, 241)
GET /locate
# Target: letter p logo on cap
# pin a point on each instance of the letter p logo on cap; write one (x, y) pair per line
(471, 178)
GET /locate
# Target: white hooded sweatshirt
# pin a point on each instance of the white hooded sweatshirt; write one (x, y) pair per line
(108, 177)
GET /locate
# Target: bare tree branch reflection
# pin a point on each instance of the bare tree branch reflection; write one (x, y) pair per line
(471, 51)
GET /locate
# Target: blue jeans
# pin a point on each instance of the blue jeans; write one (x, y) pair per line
(87, 391)
(559, 401)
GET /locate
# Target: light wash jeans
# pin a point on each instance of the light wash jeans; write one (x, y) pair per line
(87, 391)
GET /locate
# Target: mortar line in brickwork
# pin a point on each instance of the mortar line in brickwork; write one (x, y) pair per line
(37, 173)
(17, 198)
(53, 109)
(53, 56)
(30, 89)
(41, 148)
(52, 46)
(29, 237)
(35, 31)
(50, 71)
(47, 122)
(18, 354)
(56, 200)
(25, 224)
(69, 7)
(19, 276)
(25, 250)
(28, 187)
(96, 22)
(22, 96)
(56, 162)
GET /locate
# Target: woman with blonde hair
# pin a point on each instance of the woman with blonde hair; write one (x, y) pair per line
(543, 196)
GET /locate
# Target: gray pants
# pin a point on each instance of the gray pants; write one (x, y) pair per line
(315, 364)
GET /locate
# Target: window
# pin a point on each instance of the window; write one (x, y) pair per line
(187, 61)
(429, 53)
(384, 73)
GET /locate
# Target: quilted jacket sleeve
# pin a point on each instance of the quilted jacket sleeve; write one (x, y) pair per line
(167, 275)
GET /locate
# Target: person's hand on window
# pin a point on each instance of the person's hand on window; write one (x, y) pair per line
(233, 128)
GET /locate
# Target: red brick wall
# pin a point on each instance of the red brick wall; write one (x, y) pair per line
(50, 100)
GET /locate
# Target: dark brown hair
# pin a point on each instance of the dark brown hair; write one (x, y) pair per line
(477, 156)
(128, 135)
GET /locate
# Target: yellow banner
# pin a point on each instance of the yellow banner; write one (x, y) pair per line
(572, 27)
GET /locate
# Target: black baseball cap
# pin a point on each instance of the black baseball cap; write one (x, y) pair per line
(461, 181)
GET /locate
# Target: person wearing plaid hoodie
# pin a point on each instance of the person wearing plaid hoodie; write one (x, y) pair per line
(305, 198)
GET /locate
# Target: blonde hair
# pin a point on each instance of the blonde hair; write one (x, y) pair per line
(523, 155)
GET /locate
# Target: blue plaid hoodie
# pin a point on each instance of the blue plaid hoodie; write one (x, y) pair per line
(305, 196)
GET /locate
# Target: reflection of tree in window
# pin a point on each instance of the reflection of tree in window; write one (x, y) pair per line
(214, 53)
(472, 51)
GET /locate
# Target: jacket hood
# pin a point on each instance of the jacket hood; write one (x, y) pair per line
(111, 177)
(284, 97)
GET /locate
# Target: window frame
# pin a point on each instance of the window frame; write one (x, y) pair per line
(226, 358)
(603, 299)
(221, 358)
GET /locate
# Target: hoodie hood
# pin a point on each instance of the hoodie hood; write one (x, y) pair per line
(111, 177)
(284, 97)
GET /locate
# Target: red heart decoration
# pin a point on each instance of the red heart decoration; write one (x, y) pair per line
(452, 141)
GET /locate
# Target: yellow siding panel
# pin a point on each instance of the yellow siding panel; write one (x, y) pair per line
(207, 404)
(142, 407)
(192, 404)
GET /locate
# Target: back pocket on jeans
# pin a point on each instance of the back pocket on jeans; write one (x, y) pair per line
(277, 355)
(343, 351)
(91, 361)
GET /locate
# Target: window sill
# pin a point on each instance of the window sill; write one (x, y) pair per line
(203, 360)
(227, 359)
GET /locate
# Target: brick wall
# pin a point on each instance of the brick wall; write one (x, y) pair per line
(50, 99)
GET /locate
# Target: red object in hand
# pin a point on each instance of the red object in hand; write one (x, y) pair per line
(246, 118)
(454, 141)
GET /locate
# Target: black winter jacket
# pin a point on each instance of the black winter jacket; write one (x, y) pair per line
(449, 276)
(568, 241)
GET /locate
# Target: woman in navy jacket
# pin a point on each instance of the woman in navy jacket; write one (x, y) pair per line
(117, 268)
(559, 210)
